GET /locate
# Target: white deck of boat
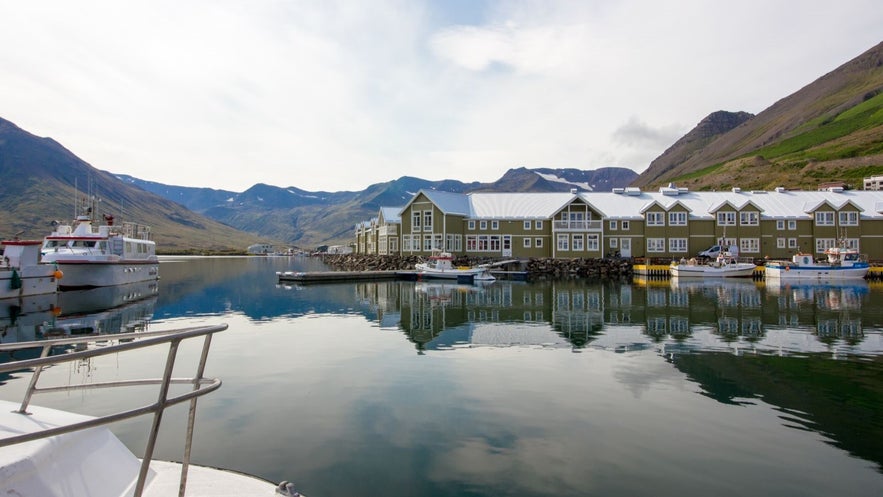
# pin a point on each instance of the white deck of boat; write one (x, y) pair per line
(94, 462)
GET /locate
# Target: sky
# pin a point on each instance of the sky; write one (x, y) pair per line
(328, 95)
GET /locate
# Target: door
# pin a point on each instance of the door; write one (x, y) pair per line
(507, 245)
(625, 247)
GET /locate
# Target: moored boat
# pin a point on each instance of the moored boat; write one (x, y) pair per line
(106, 256)
(840, 264)
(441, 265)
(21, 274)
(725, 265)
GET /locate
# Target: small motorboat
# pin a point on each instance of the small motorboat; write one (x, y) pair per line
(441, 265)
(840, 264)
(725, 265)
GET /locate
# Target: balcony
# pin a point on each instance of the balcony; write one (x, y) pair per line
(576, 225)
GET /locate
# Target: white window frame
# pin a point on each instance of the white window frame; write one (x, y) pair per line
(655, 245)
(470, 225)
(614, 243)
(527, 225)
(677, 218)
(749, 245)
(792, 243)
(526, 242)
(593, 242)
(780, 224)
(655, 218)
(677, 245)
(823, 244)
(792, 224)
(495, 225)
(624, 226)
(563, 242)
(613, 225)
(578, 242)
(824, 218)
(749, 218)
(427, 220)
(726, 218)
(482, 225)
(780, 243)
(416, 218)
(538, 225)
(847, 218)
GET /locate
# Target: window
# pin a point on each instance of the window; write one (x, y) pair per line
(470, 225)
(655, 219)
(471, 243)
(494, 244)
(612, 225)
(482, 225)
(427, 243)
(614, 242)
(656, 245)
(527, 225)
(825, 218)
(538, 242)
(538, 225)
(750, 218)
(593, 242)
(677, 245)
(792, 243)
(578, 243)
(562, 242)
(780, 224)
(406, 243)
(495, 225)
(453, 243)
(482, 243)
(625, 225)
(677, 218)
(780, 243)
(848, 218)
(416, 216)
(749, 245)
(427, 220)
(437, 242)
(823, 244)
(792, 224)
(527, 243)
(726, 218)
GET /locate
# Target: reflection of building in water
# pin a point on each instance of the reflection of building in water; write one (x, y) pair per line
(727, 315)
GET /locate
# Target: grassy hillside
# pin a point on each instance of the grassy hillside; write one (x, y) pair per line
(831, 130)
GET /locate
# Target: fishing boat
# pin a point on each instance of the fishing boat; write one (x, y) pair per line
(21, 274)
(841, 263)
(441, 265)
(47, 452)
(725, 265)
(106, 256)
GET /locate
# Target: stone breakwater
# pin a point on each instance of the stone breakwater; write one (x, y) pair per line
(535, 268)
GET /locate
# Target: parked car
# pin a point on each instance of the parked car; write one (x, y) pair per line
(711, 252)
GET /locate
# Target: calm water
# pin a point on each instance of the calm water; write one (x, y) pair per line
(523, 389)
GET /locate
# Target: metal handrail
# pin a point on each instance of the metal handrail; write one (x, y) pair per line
(201, 386)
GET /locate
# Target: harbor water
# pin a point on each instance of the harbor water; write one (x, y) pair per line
(510, 388)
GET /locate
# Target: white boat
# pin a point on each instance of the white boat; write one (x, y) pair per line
(840, 264)
(725, 265)
(52, 453)
(442, 266)
(21, 274)
(110, 255)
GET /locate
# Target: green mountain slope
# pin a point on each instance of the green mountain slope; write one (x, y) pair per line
(42, 180)
(830, 130)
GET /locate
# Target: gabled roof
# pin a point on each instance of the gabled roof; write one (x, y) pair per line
(391, 215)
(447, 202)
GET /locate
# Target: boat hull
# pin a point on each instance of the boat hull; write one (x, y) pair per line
(87, 274)
(27, 281)
(822, 273)
(704, 271)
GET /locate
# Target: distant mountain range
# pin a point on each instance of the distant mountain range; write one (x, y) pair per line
(832, 129)
(309, 219)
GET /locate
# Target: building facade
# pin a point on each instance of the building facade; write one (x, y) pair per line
(628, 222)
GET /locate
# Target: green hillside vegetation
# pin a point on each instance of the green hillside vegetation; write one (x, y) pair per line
(829, 131)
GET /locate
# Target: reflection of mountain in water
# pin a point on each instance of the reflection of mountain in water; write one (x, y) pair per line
(839, 399)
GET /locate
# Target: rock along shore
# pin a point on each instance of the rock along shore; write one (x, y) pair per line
(535, 268)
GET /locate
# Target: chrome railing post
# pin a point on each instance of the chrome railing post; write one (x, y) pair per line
(191, 416)
(33, 383)
(157, 416)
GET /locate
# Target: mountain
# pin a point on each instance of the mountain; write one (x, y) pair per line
(309, 219)
(42, 180)
(830, 130)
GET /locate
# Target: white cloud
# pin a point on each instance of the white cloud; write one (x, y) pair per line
(340, 94)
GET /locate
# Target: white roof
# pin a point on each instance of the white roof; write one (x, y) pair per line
(631, 204)
(517, 205)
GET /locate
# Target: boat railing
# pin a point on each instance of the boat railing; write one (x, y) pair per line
(124, 342)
